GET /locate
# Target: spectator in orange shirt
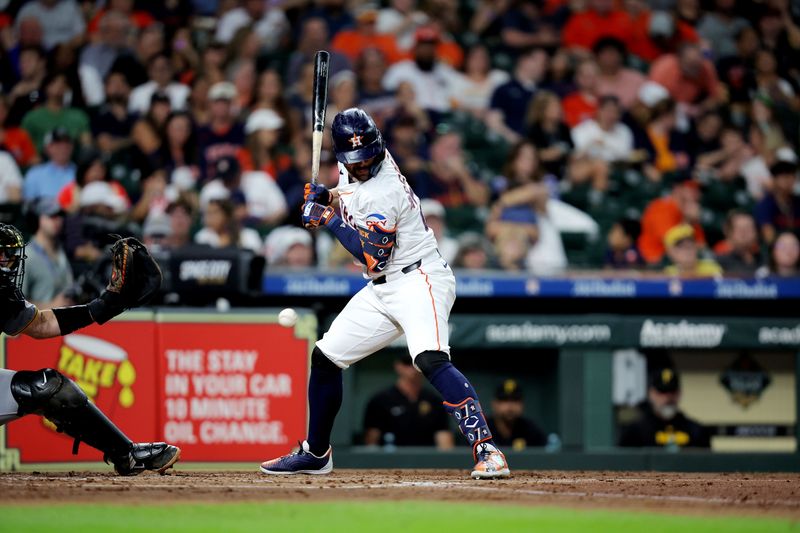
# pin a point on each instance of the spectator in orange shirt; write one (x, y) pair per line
(140, 19)
(682, 206)
(16, 140)
(351, 42)
(689, 77)
(582, 104)
(585, 28)
(655, 33)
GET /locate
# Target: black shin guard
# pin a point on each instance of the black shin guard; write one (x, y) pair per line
(49, 393)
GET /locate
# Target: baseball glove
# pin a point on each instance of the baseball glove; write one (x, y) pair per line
(135, 278)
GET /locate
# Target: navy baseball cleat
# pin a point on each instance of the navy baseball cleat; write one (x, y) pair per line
(300, 462)
(491, 463)
(158, 456)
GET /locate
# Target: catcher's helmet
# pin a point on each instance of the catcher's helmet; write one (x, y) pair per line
(12, 257)
(356, 138)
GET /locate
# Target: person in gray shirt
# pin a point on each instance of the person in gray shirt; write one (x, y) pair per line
(48, 272)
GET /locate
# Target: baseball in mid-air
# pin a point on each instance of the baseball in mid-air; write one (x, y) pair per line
(287, 318)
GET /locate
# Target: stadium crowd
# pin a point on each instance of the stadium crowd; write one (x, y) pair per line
(543, 135)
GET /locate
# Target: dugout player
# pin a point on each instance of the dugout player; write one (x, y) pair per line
(508, 424)
(47, 392)
(659, 421)
(411, 292)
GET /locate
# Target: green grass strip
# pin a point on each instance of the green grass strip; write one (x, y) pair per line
(356, 516)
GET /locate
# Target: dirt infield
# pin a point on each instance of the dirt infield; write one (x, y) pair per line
(704, 494)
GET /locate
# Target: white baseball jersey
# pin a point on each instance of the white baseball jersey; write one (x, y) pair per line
(386, 200)
(418, 291)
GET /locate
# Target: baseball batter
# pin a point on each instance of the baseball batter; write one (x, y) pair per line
(49, 393)
(411, 291)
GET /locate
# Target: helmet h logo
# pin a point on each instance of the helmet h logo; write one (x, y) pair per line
(355, 140)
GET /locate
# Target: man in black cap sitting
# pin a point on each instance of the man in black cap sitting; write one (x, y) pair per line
(507, 424)
(660, 422)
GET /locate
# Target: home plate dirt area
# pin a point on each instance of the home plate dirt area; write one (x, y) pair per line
(675, 493)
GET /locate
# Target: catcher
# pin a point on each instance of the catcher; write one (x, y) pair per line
(135, 277)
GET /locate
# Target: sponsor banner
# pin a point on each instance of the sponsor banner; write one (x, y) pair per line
(232, 391)
(115, 366)
(608, 331)
(509, 285)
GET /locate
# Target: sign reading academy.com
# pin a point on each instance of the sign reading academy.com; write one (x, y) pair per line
(549, 333)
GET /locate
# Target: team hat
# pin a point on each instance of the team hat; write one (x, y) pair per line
(665, 380)
(508, 391)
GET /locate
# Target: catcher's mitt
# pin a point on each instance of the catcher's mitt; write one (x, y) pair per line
(135, 278)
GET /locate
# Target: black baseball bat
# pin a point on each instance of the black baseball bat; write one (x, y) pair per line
(321, 62)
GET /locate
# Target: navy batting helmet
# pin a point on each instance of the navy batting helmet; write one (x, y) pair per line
(12, 257)
(356, 138)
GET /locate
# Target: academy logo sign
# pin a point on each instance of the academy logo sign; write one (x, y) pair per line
(683, 334)
(745, 380)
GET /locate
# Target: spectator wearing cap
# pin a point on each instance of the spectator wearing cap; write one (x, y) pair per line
(47, 179)
(621, 250)
(431, 79)
(264, 203)
(662, 214)
(290, 247)
(61, 20)
(91, 168)
(690, 78)
(161, 79)
(659, 421)
(407, 413)
(508, 425)
(88, 232)
(268, 20)
(48, 274)
(263, 151)
(509, 102)
(352, 41)
(683, 253)
(223, 136)
(613, 77)
(10, 180)
(474, 252)
(740, 252)
(779, 210)
(53, 113)
(436, 220)
(157, 231)
(401, 18)
(221, 229)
